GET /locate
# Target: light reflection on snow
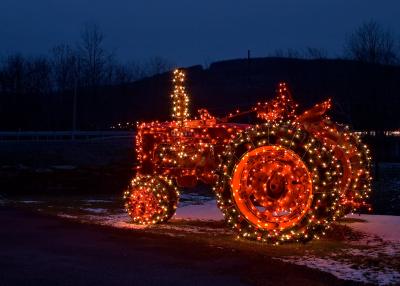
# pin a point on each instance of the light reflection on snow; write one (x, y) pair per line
(370, 259)
(206, 211)
(345, 269)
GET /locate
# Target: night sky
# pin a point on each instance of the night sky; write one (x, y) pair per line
(190, 32)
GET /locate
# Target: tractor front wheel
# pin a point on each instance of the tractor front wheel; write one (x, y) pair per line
(151, 199)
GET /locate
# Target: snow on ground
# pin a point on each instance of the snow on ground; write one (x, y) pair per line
(206, 211)
(63, 215)
(346, 270)
(95, 210)
(192, 199)
(385, 226)
(203, 209)
(364, 260)
(120, 220)
(97, 201)
(372, 257)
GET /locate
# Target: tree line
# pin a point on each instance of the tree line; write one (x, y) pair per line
(62, 90)
(37, 92)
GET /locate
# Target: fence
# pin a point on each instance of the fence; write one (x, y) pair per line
(62, 135)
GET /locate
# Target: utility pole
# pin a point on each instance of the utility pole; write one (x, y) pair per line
(248, 84)
(248, 70)
(75, 98)
(74, 108)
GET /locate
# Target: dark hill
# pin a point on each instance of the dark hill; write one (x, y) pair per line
(365, 96)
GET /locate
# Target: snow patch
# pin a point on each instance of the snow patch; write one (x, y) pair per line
(370, 259)
(95, 210)
(193, 229)
(186, 199)
(63, 215)
(206, 211)
(30, 202)
(346, 270)
(385, 226)
(97, 201)
(121, 220)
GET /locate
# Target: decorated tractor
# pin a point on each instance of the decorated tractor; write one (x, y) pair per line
(284, 177)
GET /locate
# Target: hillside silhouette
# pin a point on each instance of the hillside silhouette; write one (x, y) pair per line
(365, 96)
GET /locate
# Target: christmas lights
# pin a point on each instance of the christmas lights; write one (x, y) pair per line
(180, 99)
(286, 177)
(151, 199)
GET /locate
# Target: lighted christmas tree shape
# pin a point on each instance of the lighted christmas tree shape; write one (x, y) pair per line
(180, 99)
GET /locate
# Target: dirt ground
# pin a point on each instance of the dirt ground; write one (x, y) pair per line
(37, 249)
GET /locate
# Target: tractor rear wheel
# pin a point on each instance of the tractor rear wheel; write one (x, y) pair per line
(151, 199)
(278, 183)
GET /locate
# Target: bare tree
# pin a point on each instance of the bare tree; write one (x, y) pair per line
(137, 70)
(124, 73)
(14, 71)
(288, 53)
(372, 44)
(38, 76)
(157, 65)
(92, 55)
(119, 73)
(64, 62)
(315, 53)
(307, 53)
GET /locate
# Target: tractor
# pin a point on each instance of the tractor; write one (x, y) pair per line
(284, 177)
